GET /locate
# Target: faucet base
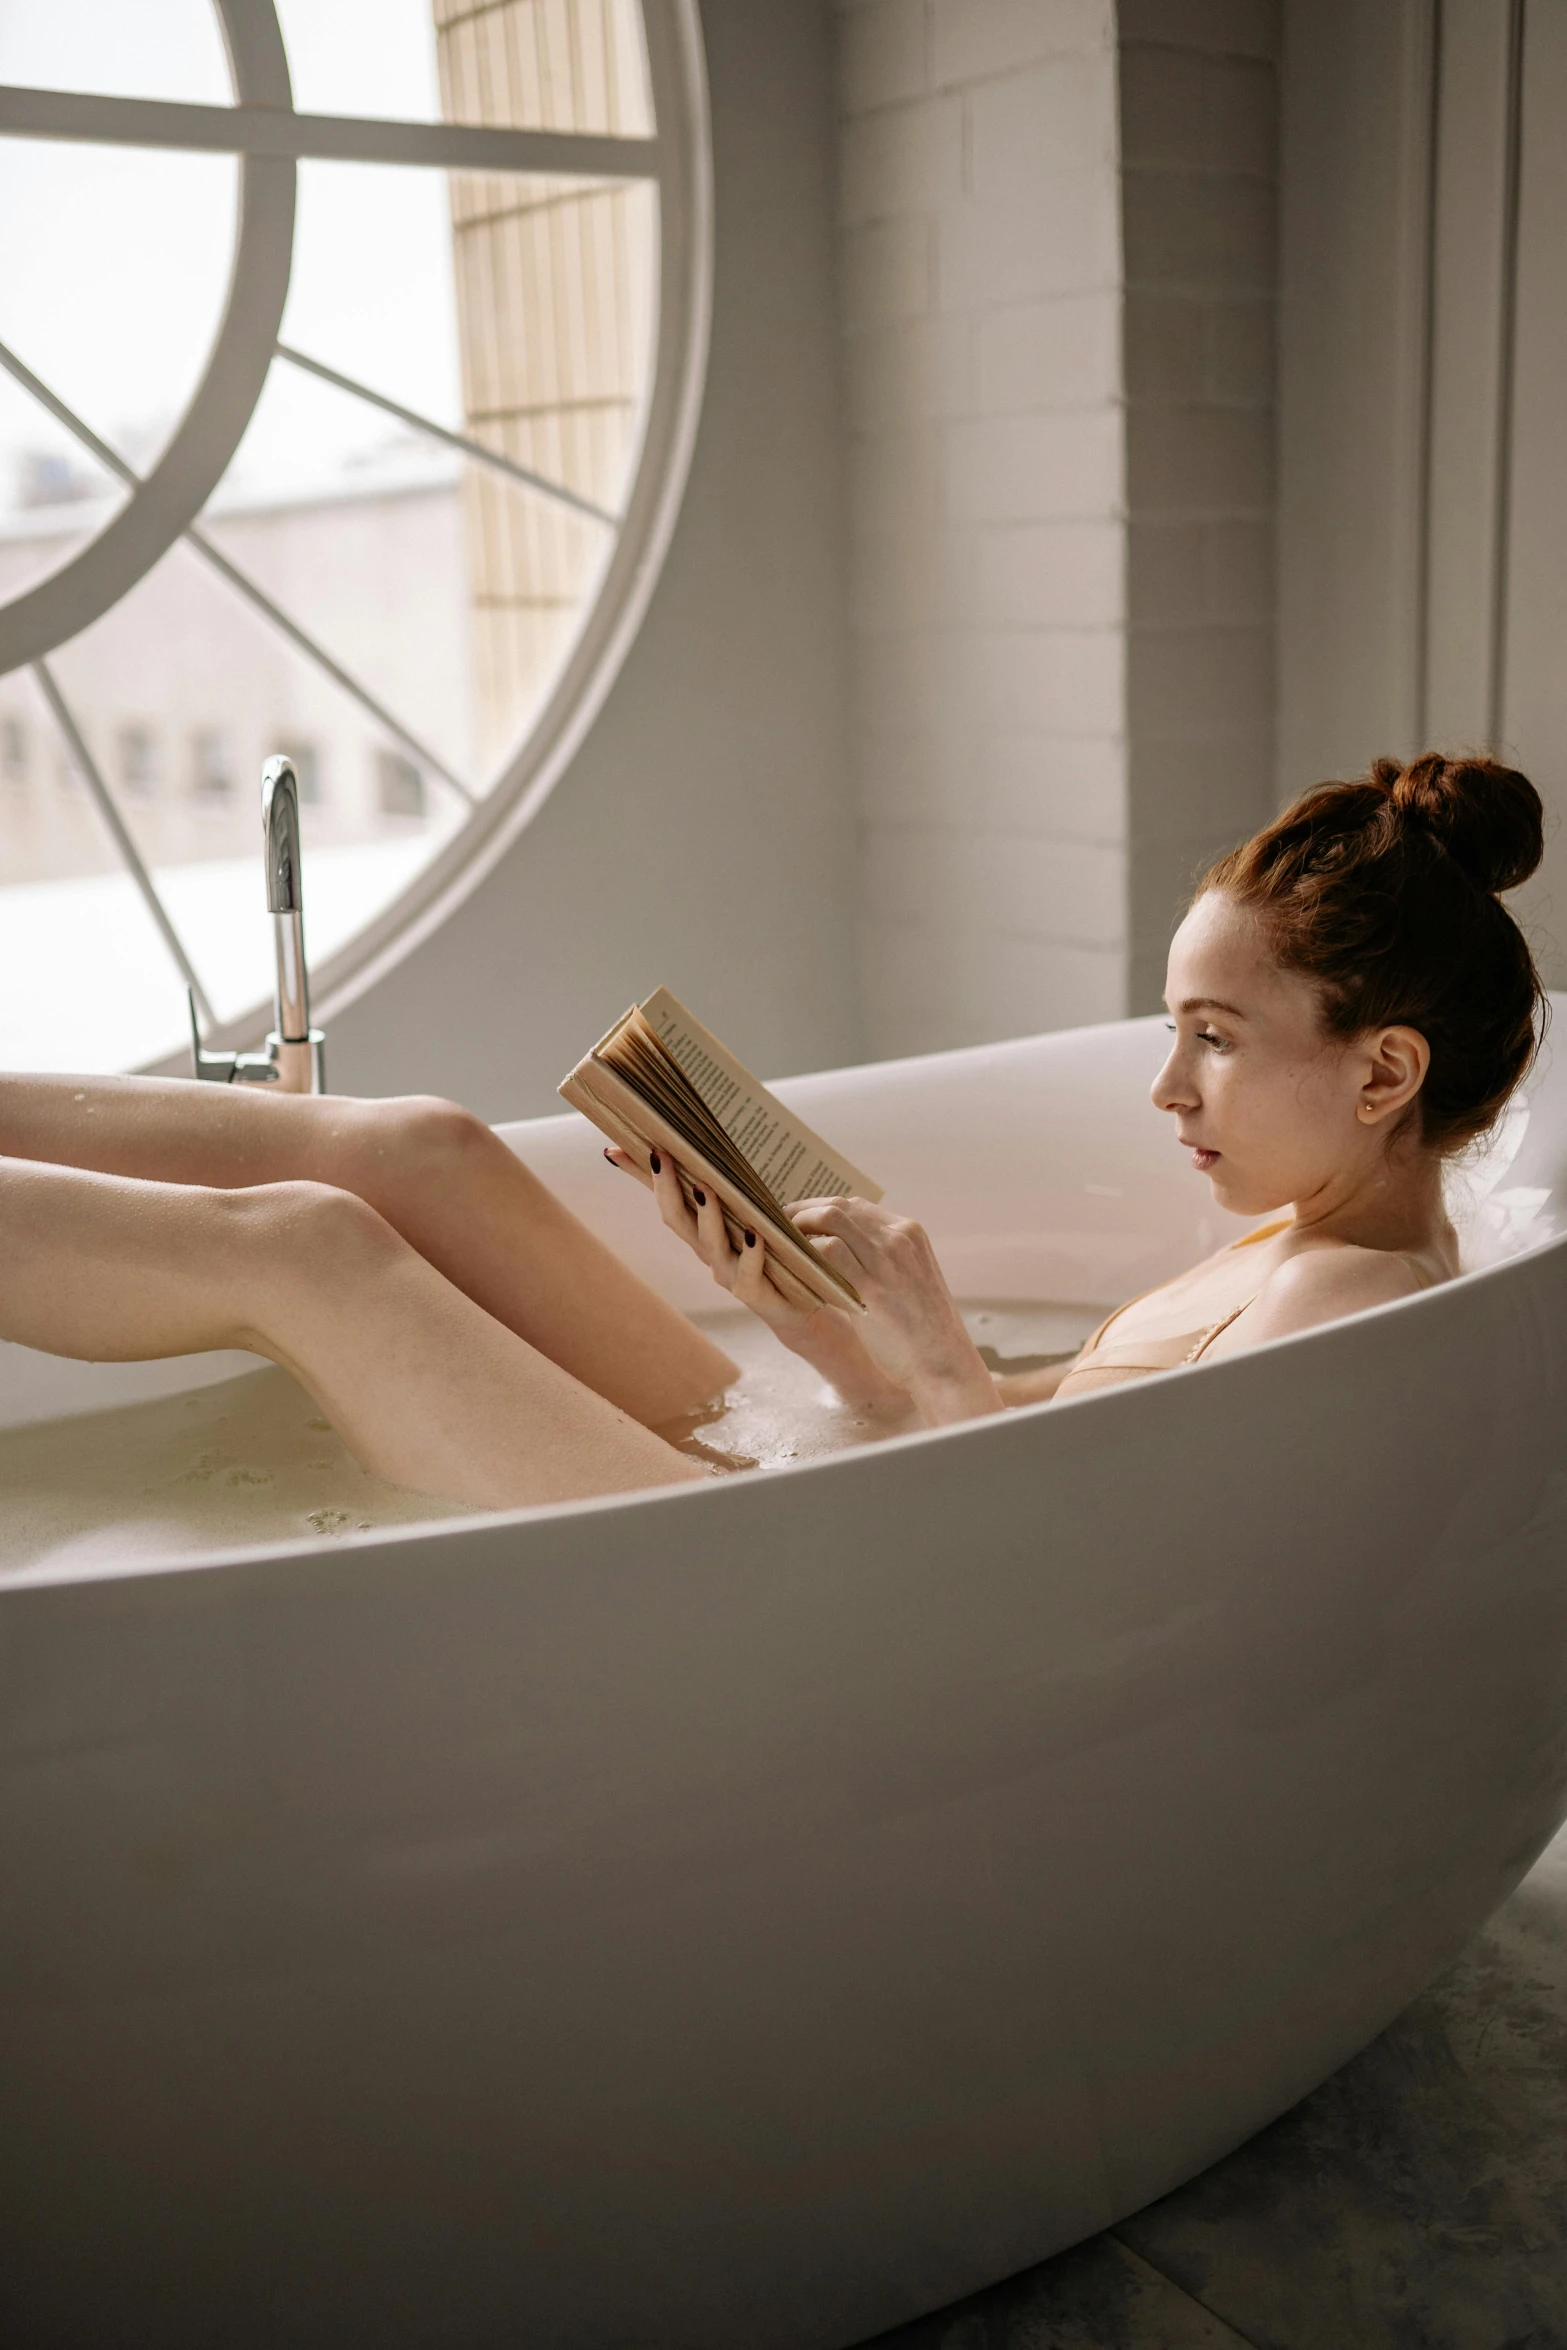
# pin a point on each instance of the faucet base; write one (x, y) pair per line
(292, 1064)
(300, 1062)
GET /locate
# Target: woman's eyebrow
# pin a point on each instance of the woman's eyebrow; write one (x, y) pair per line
(1211, 1003)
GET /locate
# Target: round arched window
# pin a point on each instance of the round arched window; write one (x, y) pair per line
(351, 356)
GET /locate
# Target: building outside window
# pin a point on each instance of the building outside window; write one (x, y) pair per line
(399, 785)
(211, 763)
(138, 760)
(306, 761)
(469, 363)
(13, 749)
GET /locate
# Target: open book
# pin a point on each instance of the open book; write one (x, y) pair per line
(659, 1081)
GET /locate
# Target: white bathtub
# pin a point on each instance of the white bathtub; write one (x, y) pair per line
(749, 1916)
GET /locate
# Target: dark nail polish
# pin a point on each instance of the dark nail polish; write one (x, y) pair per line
(614, 1162)
(699, 1196)
(656, 1163)
(750, 1240)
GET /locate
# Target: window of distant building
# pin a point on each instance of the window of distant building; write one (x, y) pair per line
(306, 760)
(370, 461)
(13, 750)
(212, 764)
(138, 760)
(399, 785)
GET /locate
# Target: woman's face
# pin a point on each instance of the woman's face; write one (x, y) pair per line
(1273, 1109)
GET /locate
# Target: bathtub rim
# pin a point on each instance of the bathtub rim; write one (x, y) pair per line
(846, 1459)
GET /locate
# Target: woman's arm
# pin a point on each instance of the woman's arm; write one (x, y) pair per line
(1020, 1387)
(912, 1327)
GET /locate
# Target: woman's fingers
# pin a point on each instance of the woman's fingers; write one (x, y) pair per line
(672, 1202)
(713, 1235)
(838, 1254)
(860, 1232)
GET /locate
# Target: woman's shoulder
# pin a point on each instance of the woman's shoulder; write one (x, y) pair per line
(1323, 1284)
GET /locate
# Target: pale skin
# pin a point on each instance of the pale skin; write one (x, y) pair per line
(465, 1335)
(469, 1338)
(1282, 1118)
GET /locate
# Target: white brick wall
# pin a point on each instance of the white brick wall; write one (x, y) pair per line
(1058, 222)
(1199, 171)
(981, 289)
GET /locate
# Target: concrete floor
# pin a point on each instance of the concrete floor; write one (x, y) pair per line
(1416, 2201)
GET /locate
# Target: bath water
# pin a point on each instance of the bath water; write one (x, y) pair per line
(251, 1460)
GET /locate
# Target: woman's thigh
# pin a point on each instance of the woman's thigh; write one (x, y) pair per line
(170, 1130)
(425, 1387)
(438, 1177)
(112, 1268)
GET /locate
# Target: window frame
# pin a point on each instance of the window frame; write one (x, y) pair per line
(263, 129)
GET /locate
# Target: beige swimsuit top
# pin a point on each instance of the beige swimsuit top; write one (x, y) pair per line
(1137, 1356)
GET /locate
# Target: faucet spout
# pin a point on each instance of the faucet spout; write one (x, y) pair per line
(295, 1056)
(297, 1049)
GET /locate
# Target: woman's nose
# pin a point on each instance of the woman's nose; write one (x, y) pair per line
(1172, 1089)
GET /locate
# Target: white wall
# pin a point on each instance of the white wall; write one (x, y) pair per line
(705, 834)
(1059, 270)
(981, 292)
(1424, 502)
(1199, 194)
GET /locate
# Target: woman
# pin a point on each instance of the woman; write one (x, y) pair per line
(1350, 1001)
(1351, 1004)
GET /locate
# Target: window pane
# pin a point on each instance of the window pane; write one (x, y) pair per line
(113, 294)
(85, 979)
(50, 828)
(54, 497)
(220, 910)
(367, 556)
(515, 310)
(371, 292)
(519, 64)
(566, 65)
(154, 49)
(182, 692)
(566, 402)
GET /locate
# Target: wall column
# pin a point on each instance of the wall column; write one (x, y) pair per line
(981, 294)
(1199, 201)
(1058, 270)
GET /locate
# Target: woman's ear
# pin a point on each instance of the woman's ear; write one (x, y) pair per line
(1394, 1071)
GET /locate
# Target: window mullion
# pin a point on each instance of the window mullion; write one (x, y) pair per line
(130, 855)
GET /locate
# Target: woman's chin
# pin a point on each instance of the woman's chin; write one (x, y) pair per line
(1238, 1197)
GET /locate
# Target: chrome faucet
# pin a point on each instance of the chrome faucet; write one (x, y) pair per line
(295, 1055)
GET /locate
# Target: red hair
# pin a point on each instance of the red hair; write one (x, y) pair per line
(1386, 893)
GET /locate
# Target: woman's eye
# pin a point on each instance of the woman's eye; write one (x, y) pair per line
(1220, 1044)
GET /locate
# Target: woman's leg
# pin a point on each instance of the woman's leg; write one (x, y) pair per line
(424, 1387)
(438, 1176)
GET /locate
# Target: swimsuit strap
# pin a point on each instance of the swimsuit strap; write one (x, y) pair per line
(1172, 1353)
(1246, 1240)
(1207, 1337)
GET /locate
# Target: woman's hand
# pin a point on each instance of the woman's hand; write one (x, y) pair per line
(912, 1327)
(824, 1338)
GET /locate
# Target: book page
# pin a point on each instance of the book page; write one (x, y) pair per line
(792, 1161)
(603, 1095)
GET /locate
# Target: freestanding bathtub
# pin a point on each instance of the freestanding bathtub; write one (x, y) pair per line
(752, 1915)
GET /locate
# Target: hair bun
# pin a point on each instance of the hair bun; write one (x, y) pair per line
(1487, 817)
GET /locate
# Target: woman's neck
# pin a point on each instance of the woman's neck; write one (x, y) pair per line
(1395, 1203)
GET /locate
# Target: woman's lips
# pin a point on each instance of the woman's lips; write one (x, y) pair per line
(1204, 1161)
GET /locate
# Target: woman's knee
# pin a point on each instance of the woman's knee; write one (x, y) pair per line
(315, 1232)
(419, 1138)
